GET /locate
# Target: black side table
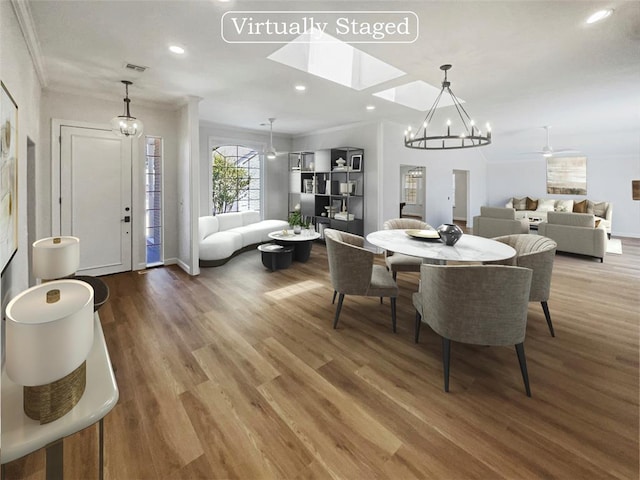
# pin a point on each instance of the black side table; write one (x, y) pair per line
(275, 257)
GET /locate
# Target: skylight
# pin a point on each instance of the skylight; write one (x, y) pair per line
(325, 56)
(418, 95)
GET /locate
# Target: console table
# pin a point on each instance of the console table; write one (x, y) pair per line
(22, 435)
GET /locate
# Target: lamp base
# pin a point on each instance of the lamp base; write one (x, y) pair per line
(49, 402)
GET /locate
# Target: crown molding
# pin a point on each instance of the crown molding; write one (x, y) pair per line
(25, 20)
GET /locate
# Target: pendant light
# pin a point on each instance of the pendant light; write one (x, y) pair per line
(271, 151)
(125, 125)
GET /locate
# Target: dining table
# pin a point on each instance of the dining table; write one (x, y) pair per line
(469, 248)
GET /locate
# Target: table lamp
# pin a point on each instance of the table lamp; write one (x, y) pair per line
(49, 333)
(56, 257)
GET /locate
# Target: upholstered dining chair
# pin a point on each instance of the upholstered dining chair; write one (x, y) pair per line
(398, 262)
(476, 304)
(353, 272)
(537, 253)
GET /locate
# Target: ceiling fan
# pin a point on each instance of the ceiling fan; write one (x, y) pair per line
(548, 151)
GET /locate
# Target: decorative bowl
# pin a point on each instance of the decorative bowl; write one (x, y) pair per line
(449, 233)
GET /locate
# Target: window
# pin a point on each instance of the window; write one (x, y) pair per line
(153, 201)
(236, 173)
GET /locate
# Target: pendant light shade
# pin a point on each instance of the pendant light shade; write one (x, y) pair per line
(271, 151)
(125, 125)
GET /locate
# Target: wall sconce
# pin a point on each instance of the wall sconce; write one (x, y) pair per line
(635, 189)
(49, 332)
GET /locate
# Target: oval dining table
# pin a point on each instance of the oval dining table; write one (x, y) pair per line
(470, 248)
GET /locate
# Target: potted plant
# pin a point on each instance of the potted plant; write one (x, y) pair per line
(296, 220)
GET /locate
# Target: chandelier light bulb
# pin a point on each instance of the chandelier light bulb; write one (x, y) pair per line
(448, 122)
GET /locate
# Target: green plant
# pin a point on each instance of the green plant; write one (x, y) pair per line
(296, 218)
(229, 183)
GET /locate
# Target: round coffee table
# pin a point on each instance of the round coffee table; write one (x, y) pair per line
(302, 242)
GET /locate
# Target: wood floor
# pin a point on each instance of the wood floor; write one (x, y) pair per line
(237, 373)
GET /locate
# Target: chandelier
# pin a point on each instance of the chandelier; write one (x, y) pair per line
(468, 136)
(125, 125)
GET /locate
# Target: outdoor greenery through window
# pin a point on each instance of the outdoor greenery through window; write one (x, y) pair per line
(235, 176)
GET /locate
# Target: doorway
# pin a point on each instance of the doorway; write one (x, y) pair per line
(460, 197)
(95, 197)
(412, 192)
(31, 205)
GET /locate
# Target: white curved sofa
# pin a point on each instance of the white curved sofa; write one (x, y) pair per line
(224, 235)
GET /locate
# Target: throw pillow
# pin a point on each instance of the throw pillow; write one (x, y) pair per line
(580, 207)
(520, 203)
(564, 206)
(532, 204)
(599, 209)
(546, 205)
(597, 223)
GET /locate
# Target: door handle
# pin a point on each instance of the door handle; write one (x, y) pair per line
(126, 219)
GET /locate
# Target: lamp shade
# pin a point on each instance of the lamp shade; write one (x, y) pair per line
(56, 257)
(48, 339)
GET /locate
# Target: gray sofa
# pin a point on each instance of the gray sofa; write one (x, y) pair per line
(537, 208)
(575, 233)
(498, 221)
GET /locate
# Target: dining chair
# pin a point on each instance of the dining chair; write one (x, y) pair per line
(353, 272)
(537, 253)
(399, 262)
(476, 304)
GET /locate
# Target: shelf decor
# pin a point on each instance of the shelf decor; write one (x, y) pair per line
(355, 163)
(8, 177)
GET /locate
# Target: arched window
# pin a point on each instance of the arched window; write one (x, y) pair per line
(236, 179)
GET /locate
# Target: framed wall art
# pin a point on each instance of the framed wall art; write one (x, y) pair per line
(355, 163)
(8, 177)
(567, 175)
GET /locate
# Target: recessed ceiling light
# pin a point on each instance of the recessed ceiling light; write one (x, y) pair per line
(600, 15)
(176, 49)
(371, 107)
(301, 88)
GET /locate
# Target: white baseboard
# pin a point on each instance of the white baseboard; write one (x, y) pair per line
(184, 266)
(170, 261)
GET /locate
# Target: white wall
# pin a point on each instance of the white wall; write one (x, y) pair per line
(365, 136)
(613, 160)
(188, 186)
(157, 122)
(438, 181)
(275, 171)
(19, 76)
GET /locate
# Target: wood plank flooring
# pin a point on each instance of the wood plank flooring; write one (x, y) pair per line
(237, 373)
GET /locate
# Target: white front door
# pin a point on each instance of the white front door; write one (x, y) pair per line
(95, 197)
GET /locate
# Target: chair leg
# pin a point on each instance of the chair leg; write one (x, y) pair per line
(393, 313)
(446, 357)
(547, 315)
(418, 324)
(333, 300)
(523, 367)
(394, 274)
(339, 307)
(381, 302)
